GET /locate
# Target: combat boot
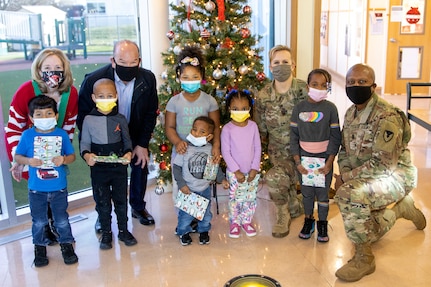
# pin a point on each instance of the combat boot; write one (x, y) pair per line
(281, 227)
(361, 264)
(406, 208)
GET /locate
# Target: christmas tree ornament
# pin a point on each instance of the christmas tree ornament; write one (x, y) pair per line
(205, 34)
(245, 32)
(217, 74)
(413, 15)
(164, 75)
(210, 6)
(164, 148)
(230, 73)
(260, 76)
(228, 43)
(243, 69)
(163, 165)
(246, 9)
(170, 35)
(177, 50)
(159, 189)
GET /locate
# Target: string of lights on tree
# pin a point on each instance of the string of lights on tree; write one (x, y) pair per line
(222, 30)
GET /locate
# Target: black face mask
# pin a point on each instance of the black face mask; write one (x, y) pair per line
(126, 73)
(359, 94)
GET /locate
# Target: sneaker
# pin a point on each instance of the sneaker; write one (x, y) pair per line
(234, 230)
(106, 240)
(307, 229)
(127, 238)
(68, 253)
(40, 258)
(249, 229)
(204, 238)
(185, 239)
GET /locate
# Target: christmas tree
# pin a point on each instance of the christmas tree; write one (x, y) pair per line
(222, 30)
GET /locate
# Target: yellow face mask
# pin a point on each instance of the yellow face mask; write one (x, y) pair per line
(239, 116)
(106, 105)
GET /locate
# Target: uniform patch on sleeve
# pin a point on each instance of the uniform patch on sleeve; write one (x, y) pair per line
(387, 136)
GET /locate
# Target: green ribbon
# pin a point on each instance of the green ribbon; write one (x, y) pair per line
(63, 103)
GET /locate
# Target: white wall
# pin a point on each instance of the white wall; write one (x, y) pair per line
(154, 24)
(305, 39)
(350, 28)
(377, 43)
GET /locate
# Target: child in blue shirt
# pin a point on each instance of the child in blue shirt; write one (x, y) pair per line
(46, 149)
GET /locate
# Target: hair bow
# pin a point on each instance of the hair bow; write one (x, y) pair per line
(192, 61)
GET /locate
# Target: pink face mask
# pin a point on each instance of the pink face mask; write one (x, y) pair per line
(318, 95)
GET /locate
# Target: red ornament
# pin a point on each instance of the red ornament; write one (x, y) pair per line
(227, 43)
(163, 166)
(413, 15)
(260, 76)
(246, 9)
(164, 148)
(170, 35)
(205, 34)
(245, 32)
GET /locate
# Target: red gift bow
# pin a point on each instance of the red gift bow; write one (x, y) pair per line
(221, 8)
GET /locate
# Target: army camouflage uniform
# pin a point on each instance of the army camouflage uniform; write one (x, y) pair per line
(272, 115)
(376, 169)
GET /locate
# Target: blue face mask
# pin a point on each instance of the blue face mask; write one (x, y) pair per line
(190, 86)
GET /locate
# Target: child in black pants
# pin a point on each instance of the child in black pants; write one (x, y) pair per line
(107, 148)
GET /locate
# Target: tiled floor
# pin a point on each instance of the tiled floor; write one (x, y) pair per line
(402, 256)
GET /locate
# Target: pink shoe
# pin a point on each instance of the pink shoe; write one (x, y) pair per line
(249, 229)
(234, 230)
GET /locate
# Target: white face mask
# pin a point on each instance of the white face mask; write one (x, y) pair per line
(200, 141)
(45, 124)
(317, 95)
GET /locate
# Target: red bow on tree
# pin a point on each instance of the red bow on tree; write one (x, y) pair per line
(221, 8)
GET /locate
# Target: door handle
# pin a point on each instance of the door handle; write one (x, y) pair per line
(392, 40)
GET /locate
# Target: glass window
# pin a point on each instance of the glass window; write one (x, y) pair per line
(84, 33)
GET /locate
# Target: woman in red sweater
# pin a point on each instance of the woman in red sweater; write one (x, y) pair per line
(51, 76)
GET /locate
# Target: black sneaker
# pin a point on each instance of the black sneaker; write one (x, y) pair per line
(127, 237)
(106, 240)
(204, 238)
(68, 253)
(185, 239)
(40, 258)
